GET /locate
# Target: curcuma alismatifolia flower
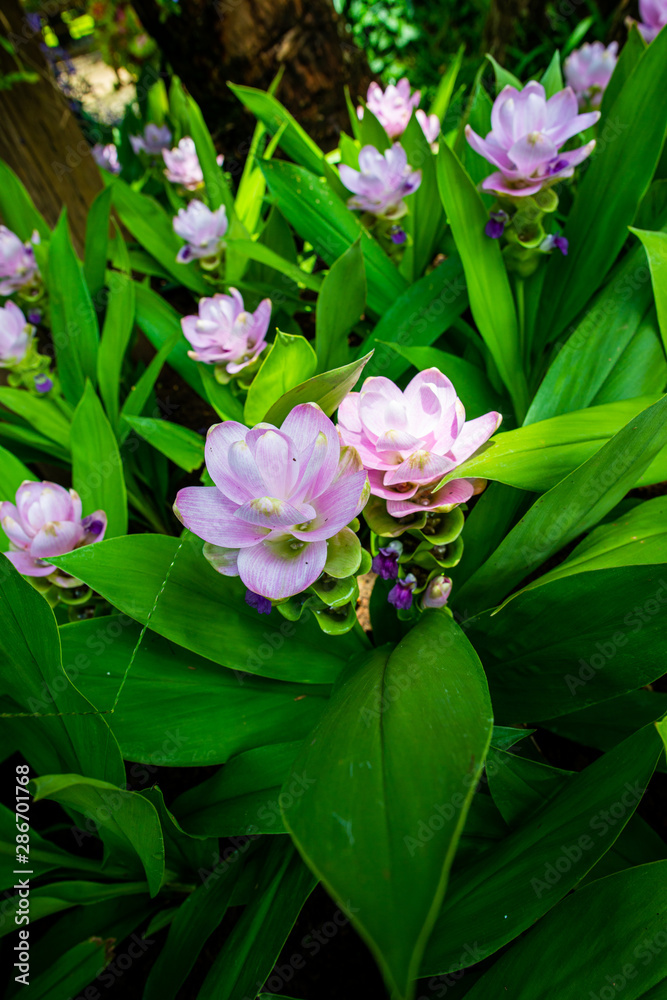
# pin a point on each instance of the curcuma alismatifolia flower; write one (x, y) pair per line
(409, 440)
(183, 166)
(279, 494)
(106, 157)
(225, 334)
(437, 592)
(588, 70)
(202, 229)
(15, 335)
(382, 181)
(155, 138)
(17, 261)
(430, 125)
(44, 522)
(392, 107)
(526, 135)
(653, 14)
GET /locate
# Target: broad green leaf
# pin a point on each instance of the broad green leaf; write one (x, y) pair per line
(116, 333)
(576, 504)
(319, 216)
(140, 392)
(12, 473)
(247, 957)
(443, 94)
(254, 250)
(377, 784)
(630, 54)
(26, 437)
(200, 714)
(535, 866)
(655, 245)
(152, 227)
(217, 187)
(160, 322)
(73, 319)
(46, 900)
(489, 290)
(607, 723)
(641, 369)
(472, 386)
(226, 404)
(97, 242)
(293, 139)
(41, 412)
(44, 856)
(97, 467)
(195, 593)
(503, 76)
(127, 823)
(552, 80)
(340, 304)
(289, 361)
(17, 209)
(538, 669)
(417, 317)
(32, 673)
(425, 223)
(242, 797)
(578, 951)
(180, 444)
(71, 972)
(328, 390)
(619, 175)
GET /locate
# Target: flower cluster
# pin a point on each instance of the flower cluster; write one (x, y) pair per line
(225, 334)
(202, 229)
(408, 441)
(526, 137)
(155, 138)
(382, 181)
(588, 70)
(106, 157)
(182, 164)
(45, 522)
(18, 267)
(280, 494)
(393, 108)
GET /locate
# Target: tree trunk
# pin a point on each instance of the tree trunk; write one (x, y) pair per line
(246, 42)
(40, 138)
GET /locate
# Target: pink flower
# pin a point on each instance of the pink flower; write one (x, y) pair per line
(526, 136)
(409, 440)
(183, 166)
(392, 107)
(382, 181)
(202, 228)
(45, 522)
(17, 261)
(106, 157)
(588, 70)
(430, 125)
(437, 592)
(154, 139)
(15, 335)
(225, 334)
(278, 496)
(653, 14)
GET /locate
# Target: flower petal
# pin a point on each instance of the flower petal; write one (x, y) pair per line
(55, 538)
(26, 565)
(281, 567)
(336, 507)
(210, 515)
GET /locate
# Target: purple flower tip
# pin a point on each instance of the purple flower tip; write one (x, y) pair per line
(495, 227)
(401, 594)
(35, 316)
(398, 235)
(552, 242)
(262, 604)
(385, 563)
(43, 383)
(94, 527)
(560, 243)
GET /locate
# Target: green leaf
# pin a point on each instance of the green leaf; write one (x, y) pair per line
(226, 404)
(425, 222)
(340, 305)
(537, 669)
(248, 955)
(46, 900)
(629, 56)
(152, 227)
(195, 593)
(377, 784)
(71, 972)
(78, 738)
(160, 322)
(328, 390)
(254, 250)
(655, 245)
(417, 317)
(489, 290)
(570, 508)
(619, 175)
(200, 714)
(577, 950)
(73, 319)
(293, 139)
(532, 868)
(97, 242)
(289, 361)
(17, 209)
(319, 216)
(443, 94)
(552, 80)
(127, 823)
(41, 412)
(503, 76)
(217, 187)
(116, 333)
(607, 723)
(180, 444)
(97, 467)
(12, 473)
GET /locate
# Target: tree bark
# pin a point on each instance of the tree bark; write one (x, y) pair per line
(246, 42)
(40, 138)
